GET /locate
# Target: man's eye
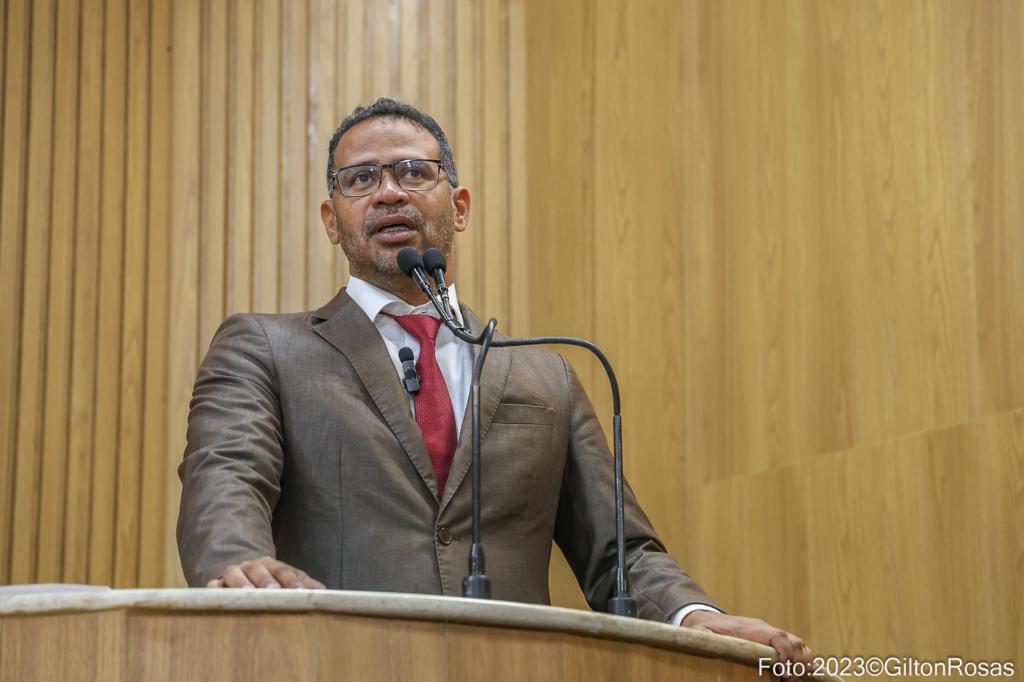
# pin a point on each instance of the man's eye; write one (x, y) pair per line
(361, 178)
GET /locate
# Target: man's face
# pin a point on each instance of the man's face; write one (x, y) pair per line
(372, 229)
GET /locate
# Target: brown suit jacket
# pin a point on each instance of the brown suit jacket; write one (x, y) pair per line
(302, 445)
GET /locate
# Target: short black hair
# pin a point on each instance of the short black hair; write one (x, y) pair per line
(385, 107)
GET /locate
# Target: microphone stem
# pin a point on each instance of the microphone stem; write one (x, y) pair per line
(620, 603)
(476, 558)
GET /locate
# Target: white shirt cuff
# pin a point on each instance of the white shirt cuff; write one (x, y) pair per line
(678, 616)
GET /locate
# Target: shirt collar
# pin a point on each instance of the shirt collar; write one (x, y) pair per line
(373, 300)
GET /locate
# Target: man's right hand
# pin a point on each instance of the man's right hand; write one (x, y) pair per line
(266, 572)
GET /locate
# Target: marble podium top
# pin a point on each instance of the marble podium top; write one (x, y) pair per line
(392, 605)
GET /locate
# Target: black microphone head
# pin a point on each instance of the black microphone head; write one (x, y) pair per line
(433, 260)
(405, 354)
(409, 259)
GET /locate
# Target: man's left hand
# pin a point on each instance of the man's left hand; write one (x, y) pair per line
(789, 646)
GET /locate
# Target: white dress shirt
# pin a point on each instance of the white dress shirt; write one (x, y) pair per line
(453, 357)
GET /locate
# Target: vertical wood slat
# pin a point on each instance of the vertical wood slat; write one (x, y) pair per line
(493, 230)
(127, 540)
(185, 218)
(213, 168)
(110, 288)
(266, 156)
(411, 55)
(467, 140)
(84, 325)
(60, 296)
(240, 161)
(3, 79)
(155, 484)
(15, 117)
(293, 229)
(516, 172)
(32, 372)
(356, 86)
(352, 84)
(321, 256)
(438, 79)
(377, 41)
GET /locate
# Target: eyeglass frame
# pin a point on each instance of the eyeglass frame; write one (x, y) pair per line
(335, 172)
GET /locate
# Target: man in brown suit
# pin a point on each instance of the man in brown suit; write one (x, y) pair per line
(305, 460)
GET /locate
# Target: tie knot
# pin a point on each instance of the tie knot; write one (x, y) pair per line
(423, 327)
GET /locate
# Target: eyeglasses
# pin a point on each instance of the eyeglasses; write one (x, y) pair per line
(415, 175)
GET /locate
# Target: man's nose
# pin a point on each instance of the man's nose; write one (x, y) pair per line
(389, 192)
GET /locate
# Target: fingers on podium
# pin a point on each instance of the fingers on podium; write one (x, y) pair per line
(265, 573)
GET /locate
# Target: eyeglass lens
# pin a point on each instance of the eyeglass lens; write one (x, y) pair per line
(414, 174)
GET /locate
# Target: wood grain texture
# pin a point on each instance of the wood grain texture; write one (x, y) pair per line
(32, 371)
(185, 232)
(163, 165)
(60, 292)
(153, 527)
(442, 641)
(793, 226)
(84, 336)
(467, 137)
(293, 229)
(132, 389)
(110, 294)
(807, 256)
(322, 279)
(240, 208)
(12, 236)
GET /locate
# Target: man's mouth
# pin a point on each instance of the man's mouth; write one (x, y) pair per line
(396, 230)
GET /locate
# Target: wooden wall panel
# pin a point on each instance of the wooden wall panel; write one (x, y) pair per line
(157, 482)
(560, 154)
(85, 266)
(133, 338)
(110, 293)
(801, 249)
(239, 131)
(293, 228)
(164, 170)
(186, 162)
(322, 264)
(32, 374)
(805, 215)
(53, 475)
(12, 235)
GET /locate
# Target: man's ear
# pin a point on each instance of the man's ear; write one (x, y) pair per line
(460, 199)
(330, 221)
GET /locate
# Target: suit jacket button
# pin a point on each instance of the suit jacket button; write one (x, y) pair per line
(444, 535)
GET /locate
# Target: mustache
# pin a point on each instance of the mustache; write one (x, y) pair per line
(408, 212)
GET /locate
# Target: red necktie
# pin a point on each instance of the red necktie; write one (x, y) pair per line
(434, 413)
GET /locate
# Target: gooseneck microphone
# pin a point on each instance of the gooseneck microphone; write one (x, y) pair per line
(411, 263)
(476, 584)
(435, 263)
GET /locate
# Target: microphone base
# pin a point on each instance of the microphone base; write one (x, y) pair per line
(476, 587)
(622, 606)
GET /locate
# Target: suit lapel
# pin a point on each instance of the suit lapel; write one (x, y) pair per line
(343, 324)
(492, 387)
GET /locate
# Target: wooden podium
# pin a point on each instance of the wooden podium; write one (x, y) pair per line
(300, 635)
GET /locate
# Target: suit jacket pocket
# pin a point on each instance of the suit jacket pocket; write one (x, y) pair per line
(518, 413)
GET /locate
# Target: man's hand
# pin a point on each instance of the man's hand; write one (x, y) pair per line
(789, 646)
(266, 572)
